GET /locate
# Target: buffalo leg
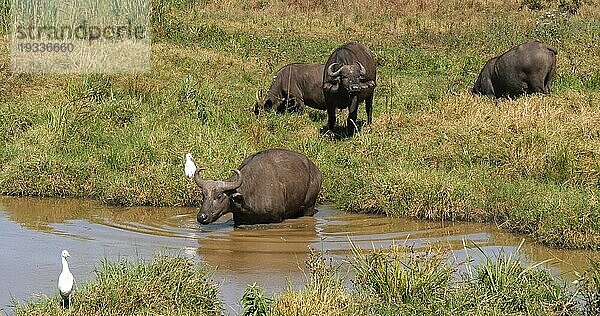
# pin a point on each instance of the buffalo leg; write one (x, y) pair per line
(330, 117)
(299, 107)
(369, 108)
(536, 84)
(282, 106)
(352, 116)
(311, 196)
(488, 89)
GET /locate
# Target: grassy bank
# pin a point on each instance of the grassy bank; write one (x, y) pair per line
(532, 165)
(395, 281)
(399, 281)
(164, 286)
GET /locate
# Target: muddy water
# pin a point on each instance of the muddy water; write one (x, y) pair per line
(34, 231)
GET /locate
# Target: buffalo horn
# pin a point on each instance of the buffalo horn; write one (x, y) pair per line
(363, 71)
(330, 71)
(197, 178)
(257, 96)
(232, 185)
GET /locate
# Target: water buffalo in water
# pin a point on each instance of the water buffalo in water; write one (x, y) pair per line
(293, 87)
(268, 187)
(349, 78)
(527, 68)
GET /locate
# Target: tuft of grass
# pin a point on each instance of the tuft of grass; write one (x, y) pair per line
(164, 286)
(255, 302)
(513, 289)
(324, 294)
(400, 275)
(385, 285)
(589, 285)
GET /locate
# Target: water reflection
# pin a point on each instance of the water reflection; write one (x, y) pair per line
(35, 230)
(277, 248)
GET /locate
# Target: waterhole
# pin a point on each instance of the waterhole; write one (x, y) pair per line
(34, 231)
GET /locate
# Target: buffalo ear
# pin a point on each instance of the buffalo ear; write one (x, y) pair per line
(331, 87)
(237, 198)
(368, 84)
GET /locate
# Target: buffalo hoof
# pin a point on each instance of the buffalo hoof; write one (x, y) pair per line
(337, 133)
(326, 131)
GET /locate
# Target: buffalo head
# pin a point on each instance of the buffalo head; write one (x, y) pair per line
(271, 102)
(483, 85)
(350, 78)
(217, 196)
(261, 103)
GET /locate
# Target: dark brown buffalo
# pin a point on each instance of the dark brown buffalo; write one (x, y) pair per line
(349, 78)
(293, 87)
(268, 187)
(527, 68)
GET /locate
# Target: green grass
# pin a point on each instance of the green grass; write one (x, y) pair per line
(164, 286)
(255, 302)
(394, 281)
(400, 276)
(401, 281)
(590, 288)
(531, 165)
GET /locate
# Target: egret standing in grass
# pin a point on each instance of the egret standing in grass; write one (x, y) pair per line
(190, 166)
(65, 281)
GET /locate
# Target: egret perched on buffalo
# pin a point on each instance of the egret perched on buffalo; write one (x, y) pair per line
(190, 166)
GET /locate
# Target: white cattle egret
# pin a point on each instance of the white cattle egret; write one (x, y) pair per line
(190, 166)
(65, 281)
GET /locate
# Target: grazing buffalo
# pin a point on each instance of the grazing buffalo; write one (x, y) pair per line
(527, 68)
(268, 187)
(293, 87)
(349, 78)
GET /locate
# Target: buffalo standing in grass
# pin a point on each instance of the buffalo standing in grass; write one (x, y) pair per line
(527, 68)
(293, 87)
(268, 187)
(349, 78)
